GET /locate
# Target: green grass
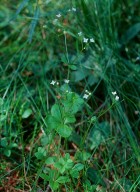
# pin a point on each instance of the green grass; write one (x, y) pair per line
(96, 148)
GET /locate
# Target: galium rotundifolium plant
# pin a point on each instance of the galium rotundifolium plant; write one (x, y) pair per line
(62, 114)
(60, 169)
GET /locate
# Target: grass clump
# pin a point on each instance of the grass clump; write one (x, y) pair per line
(70, 96)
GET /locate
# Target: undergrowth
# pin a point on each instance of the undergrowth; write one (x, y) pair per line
(70, 96)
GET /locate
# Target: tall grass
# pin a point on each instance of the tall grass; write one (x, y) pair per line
(35, 49)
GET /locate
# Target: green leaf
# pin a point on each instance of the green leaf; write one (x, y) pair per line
(93, 119)
(97, 139)
(52, 122)
(7, 152)
(58, 165)
(74, 173)
(50, 160)
(41, 153)
(65, 87)
(44, 176)
(54, 185)
(73, 67)
(12, 145)
(82, 156)
(80, 74)
(99, 133)
(63, 179)
(69, 164)
(64, 130)
(69, 119)
(73, 103)
(26, 113)
(67, 156)
(57, 112)
(2, 117)
(78, 167)
(45, 139)
(53, 174)
(4, 142)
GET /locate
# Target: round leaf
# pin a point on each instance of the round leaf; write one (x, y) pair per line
(26, 113)
(64, 130)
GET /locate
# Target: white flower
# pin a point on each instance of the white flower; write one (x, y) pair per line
(137, 58)
(117, 98)
(69, 10)
(53, 82)
(80, 33)
(92, 40)
(114, 93)
(58, 15)
(87, 92)
(66, 81)
(73, 9)
(85, 40)
(85, 96)
(136, 112)
(44, 26)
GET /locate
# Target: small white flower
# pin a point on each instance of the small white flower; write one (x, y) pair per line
(67, 91)
(66, 81)
(137, 58)
(73, 9)
(92, 40)
(45, 26)
(114, 93)
(85, 40)
(85, 96)
(58, 15)
(57, 83)
(53, 82)
(117, 98)
(80, 33)
(87, 92)
(137, 112)
(69, 10)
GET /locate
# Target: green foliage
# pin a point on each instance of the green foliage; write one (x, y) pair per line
(63, 114)
(99, 134)
(56, 137)
(41, 153)
(26, 113)
(65, 170)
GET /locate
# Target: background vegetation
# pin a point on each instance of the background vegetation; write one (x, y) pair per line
(74, 135)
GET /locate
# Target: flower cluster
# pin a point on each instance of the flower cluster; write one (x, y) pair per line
(73, 9)
(57, 83)
(54, 82)
(66, 81)
(80, 33)
(85, 40)
(86, 95)
(58, 15)
(116, 96)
